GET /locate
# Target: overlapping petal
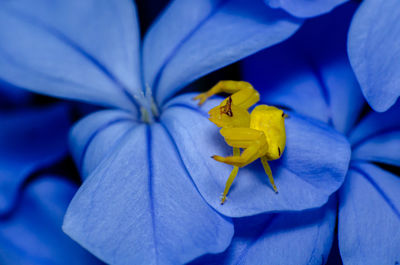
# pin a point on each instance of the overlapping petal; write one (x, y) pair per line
(312, 168)
(139, 200)
(193, 38)
(29, 140)
(384, 148)
(305, 8)
(275, 239)
(374, 124)
(33, 235)
(376, 137)
(310, 73)
(92, 138)
(369, 216)
(374, 50)
(85, 50)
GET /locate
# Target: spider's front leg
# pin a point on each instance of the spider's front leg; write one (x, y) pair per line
(231, 178)
(252, 141)
(243, 93)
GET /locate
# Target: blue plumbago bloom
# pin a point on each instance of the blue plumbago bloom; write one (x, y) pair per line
(27, 145)
(31, 213)
(373, 44)
(313, 70)
(151, 190)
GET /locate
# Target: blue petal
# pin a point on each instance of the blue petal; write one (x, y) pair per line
(310, 72)
(313, 166)
(33, 235)
(29, 140)
(193, 38)
(374, 50)
(376, 137)
(85, 50)
(275, 239)
(92, 138)
(140, 200)
(305, 8)
(369, 216)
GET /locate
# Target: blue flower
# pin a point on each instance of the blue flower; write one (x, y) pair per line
(33, 202)
(372, 45)
(151, 191)
(313, 72)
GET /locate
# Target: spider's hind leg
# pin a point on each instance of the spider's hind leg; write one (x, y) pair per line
(268, 171)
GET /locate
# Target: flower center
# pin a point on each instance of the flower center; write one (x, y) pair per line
(148, 107)
(149, 115)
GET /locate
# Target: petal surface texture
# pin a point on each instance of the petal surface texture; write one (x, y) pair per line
(274, 239)
(305, 8)
(369, 216)
(193, 38)
(310, 72)
(374, 50)
(29, 139)
(313, 165)
(139, 200)
(32, 233)
(85, 50)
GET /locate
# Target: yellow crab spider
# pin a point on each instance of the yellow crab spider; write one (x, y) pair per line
(261, 134)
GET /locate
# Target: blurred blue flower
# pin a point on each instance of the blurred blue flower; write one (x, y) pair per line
(313, 72)
(27, 145)
(32, 205)
(32, 233)
(373, 44)
(13, 97)
(151, 190)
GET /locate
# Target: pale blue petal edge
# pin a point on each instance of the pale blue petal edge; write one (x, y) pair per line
(374, 49)
(304, 8)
